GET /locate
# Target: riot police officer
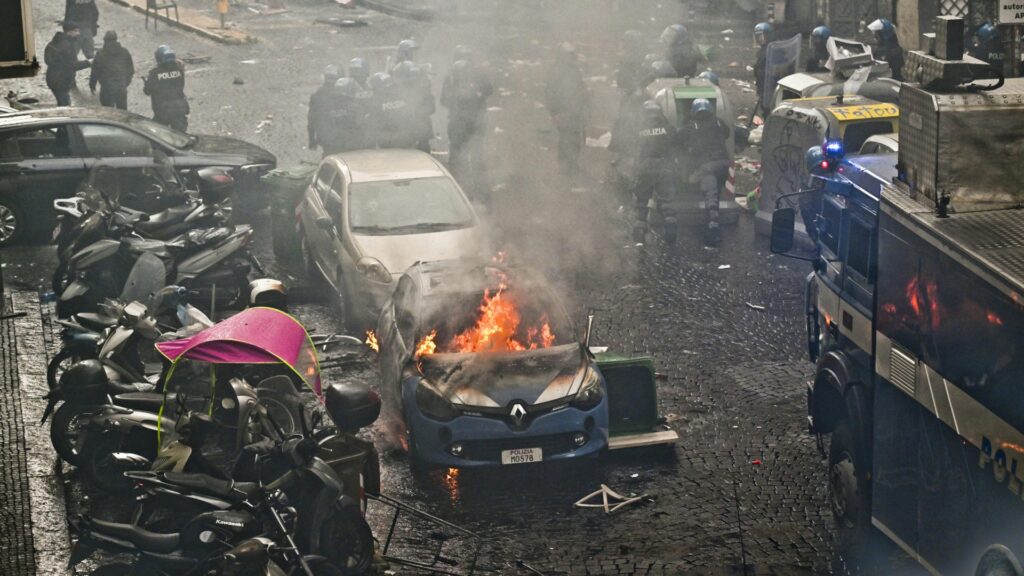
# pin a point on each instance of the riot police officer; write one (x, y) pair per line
(359, 70)
(708, 161)
(680, 50)
(464, 93)
(419, 94)
(567, 99)
(988, 46)
(319, 107)
(819, 49)
(165, 86)
(887, 46)
(405, 52)
(344, 130)
(391, 118)
(656, 144)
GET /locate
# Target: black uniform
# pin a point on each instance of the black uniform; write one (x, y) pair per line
(816, 61)
(165, 86)
(759, 67)
(345, 128)
(656, 145)
(708, 161)
(87, 16)
(990, 51)
(889, 50)
(61, 57)
(319, 113)
(684, 58)
(393, 119)
(566, 98)
(631, 74)
(466, 101)
(113, 70)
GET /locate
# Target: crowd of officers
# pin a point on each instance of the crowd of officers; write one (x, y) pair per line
(112, 68)
(393, 109)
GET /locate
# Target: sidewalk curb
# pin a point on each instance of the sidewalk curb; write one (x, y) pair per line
(230, 36)
(46, 487)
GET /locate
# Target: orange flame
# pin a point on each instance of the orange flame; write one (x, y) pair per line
(371, 341)
(427, 344)
(497, 327)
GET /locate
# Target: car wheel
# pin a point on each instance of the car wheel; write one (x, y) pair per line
(848, 493)
(11, 222)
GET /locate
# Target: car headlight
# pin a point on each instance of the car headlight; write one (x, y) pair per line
(373, 269)
(591, 392)
(432, 404)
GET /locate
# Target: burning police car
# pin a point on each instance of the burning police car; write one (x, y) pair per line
(481, 366)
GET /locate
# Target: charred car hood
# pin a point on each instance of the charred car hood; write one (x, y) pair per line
(398, 252)
(495, 380)
(227, 147)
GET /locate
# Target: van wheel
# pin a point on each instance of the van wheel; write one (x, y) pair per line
(998, 561)
(848, 490)
(11, 222)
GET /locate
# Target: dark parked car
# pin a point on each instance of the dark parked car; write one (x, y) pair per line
(45, 153)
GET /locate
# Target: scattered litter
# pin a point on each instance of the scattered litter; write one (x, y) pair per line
(238, 81)
(634, 475)
(750, 68)
(495, 109)
(263, 124)
(756, 462)
(733, 64)
(727, 32)
(611, 500)
(253, 61)
(498, 130)
(660, 376)
(346, 3)
(193, 59)
(598, 349)
(341, 22)
(741, 83)
(597, 79)
(725, 266)
(600, 142)
(754, 306)
(538, 105)
(734, 427)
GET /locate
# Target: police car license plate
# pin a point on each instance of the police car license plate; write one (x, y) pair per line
(522, 456)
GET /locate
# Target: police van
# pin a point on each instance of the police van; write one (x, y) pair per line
(915, 320)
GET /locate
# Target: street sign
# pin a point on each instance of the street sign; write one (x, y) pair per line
(1011, 12)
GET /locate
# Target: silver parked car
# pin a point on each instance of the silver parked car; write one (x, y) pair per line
(370, 214)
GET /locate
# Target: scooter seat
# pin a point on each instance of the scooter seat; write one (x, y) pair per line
(212, 486)
(148, 401)
(94, 321)
(165, 218)
(142, 539)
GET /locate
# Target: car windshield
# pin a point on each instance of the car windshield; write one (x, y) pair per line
(407, 206)
(165, 134)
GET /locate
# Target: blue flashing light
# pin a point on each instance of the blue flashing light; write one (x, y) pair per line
(834, 148)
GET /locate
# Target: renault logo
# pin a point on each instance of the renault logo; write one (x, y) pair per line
(518, 412)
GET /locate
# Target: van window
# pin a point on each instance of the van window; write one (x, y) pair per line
(858, 252)
(830, 225)
(855, 135)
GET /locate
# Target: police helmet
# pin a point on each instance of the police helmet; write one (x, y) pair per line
(709, 76)
(762, 33)
(820, 35)
(987, 32)
(702, 109)
(663, 69)
(675, 35)
(813, 158)
(463, 52)
(381, 80)
(651, 106)
(110, 36)
(346, 87)
(882, 28)
(268, 292)
(359, 69)
(406, 69)
(406, 49)
(160, 54)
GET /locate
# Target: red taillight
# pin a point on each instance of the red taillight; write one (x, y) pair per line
(824, 164)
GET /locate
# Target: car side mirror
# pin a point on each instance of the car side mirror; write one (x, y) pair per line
(783, 226)
(741, 136)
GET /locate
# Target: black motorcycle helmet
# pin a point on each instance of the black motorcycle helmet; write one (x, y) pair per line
(84, 376)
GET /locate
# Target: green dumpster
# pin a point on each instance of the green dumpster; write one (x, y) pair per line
(285, 187)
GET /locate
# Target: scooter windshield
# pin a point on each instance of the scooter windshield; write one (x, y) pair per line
(146, 279)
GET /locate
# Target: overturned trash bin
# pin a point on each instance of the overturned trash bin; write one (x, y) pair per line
(285, 187)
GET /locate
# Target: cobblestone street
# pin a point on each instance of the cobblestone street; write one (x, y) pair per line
(743, 492)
